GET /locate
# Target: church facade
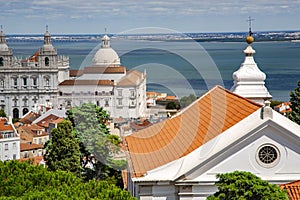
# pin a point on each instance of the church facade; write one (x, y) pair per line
(34, 80)
(45, 78)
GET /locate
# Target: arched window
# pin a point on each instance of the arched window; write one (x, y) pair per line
(1, 61)
(25, 110)
(1, 83)
(46, 61)
(15, 113)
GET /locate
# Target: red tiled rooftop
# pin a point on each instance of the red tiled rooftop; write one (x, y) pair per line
(29, 117)
(292, 189)
(31, 129)
(26, 146)
(45, 122)
(35, 160)
(87, 82)
(209, 116)
(104, 70)
(4, 126)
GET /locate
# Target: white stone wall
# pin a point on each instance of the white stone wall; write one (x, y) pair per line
(13, 148)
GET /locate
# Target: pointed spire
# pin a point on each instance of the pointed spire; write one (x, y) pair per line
(249, 80)
(47, 36)
(2, 36)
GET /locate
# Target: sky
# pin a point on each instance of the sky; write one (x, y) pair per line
(96, 16)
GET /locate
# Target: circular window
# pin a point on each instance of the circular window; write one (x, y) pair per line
(268, 155)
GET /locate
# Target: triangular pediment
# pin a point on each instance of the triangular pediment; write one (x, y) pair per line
(251, 154)
(238, 149)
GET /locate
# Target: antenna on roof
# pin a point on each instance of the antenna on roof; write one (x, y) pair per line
(105, 30)
(46, 27)
(1, 27)
(250, 23)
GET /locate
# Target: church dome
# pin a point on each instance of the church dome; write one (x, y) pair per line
(106, 56)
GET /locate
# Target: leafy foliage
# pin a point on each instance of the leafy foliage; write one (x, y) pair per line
(295, 105)
(2, 113)
(62, 150)
(245, 185)
(97, 146)
(172, 105)
(25, 181)
(187, 100)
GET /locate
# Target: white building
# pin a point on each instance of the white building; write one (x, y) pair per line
(9, 141)
(30, 81)
(120, 91)
(221, 132)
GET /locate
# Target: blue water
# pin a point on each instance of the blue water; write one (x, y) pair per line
(182, 67)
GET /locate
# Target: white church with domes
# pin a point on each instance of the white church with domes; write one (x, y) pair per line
(106, 83)
(45, 78)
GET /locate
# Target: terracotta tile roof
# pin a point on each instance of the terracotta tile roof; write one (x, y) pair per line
(32, 129)
(104, 70)
(293, 189)
(75, 73)
(132, 78)
(207, 117)
(49, 119)
(26, 146)
(35, 160)
(4, 126)
(87, 82)
(29, 117)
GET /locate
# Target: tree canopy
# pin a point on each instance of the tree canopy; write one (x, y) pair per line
(62, 150)
(2, 113)
(245, 185)
(187, 100)
(295, 105)
(20, 180)
(97, 145)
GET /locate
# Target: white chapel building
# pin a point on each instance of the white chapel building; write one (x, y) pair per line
(222, 131)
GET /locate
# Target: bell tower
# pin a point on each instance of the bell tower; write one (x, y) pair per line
(47, 53)
(6, 55)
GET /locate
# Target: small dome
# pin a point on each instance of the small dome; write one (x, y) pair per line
(106, 56)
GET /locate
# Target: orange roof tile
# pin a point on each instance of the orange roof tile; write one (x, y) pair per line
(49, 119)
(207, 117)
(75, 73)
(87, 82)
(36, 160)
(29, 118)
(132, 78)
(4, 126)
(31, 129)
(104, 70)
(293, 189)
(26, 146)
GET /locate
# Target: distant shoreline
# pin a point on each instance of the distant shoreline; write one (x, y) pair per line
(293, 36)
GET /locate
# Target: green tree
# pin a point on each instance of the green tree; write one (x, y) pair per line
(295, 105)
(20, 180)
(97, 145)
(2, 113)
(172, 105)
(62, 150)
(187, 100)
(245, 185)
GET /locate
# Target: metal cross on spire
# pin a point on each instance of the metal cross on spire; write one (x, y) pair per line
(250, 23)
(46, 27)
